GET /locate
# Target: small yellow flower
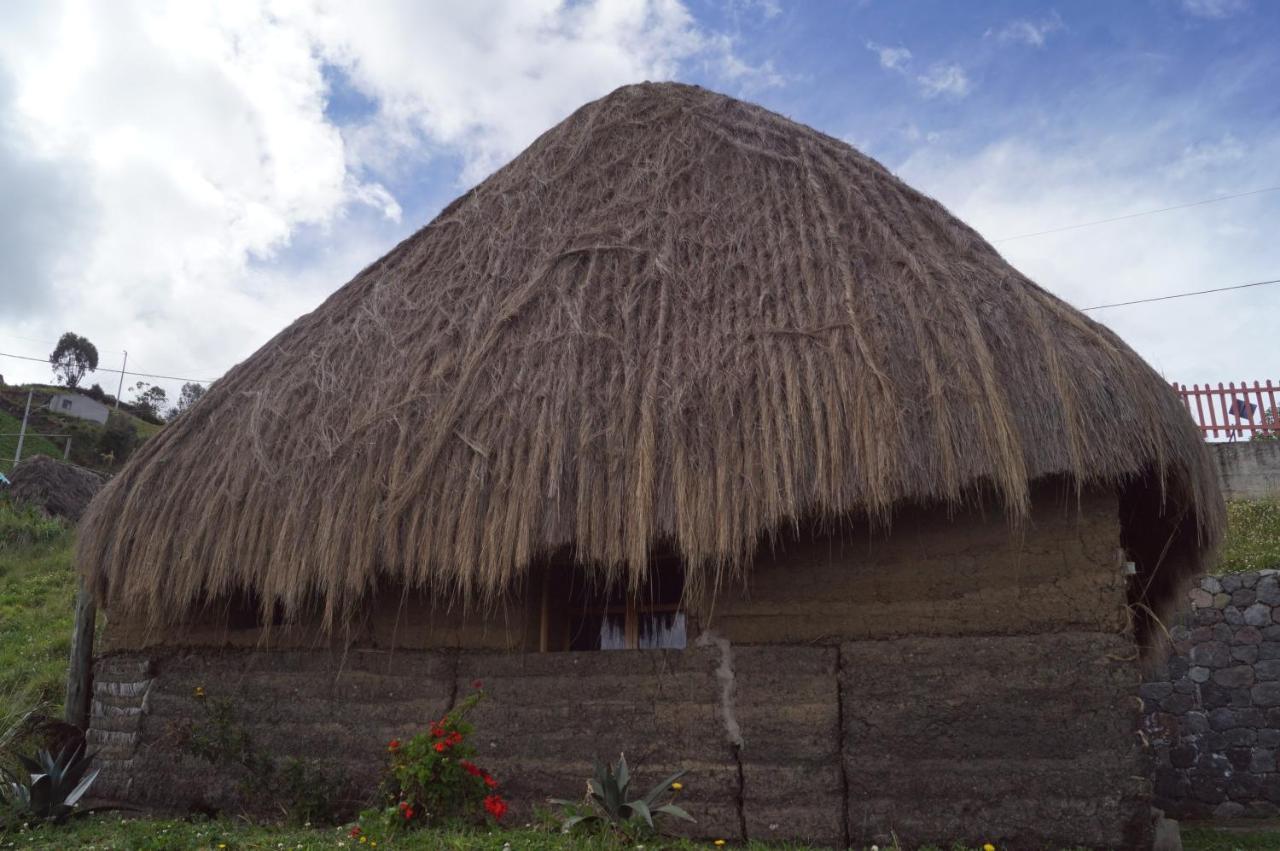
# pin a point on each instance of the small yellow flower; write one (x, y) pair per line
(363, 840)
(988, 847)
(199, 691)
(677, 786)
(718, 843)
(222, 845)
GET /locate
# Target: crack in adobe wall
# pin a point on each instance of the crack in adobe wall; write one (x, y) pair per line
(840, 755)
(453, 679)
(741, 798)
(733, 731)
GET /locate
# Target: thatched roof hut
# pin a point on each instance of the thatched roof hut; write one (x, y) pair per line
(59, 488)
(677, 327)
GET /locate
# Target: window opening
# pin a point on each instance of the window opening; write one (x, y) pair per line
(609, 618)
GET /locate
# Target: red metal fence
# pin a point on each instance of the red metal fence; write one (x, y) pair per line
(1232, 411)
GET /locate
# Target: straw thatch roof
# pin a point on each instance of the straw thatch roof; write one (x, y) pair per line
(676, 318)
(60, 488)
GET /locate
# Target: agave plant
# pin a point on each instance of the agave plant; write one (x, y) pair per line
(607, 794)
(56, 784)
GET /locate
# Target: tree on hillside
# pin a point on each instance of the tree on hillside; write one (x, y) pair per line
(150, 399)
(73, 357)
(191, 393)
(117, 441)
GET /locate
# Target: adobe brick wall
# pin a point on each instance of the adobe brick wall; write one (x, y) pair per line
(1026, 741)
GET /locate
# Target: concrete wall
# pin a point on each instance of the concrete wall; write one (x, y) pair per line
(1249, 469)
(947, 680)
(1212, 711)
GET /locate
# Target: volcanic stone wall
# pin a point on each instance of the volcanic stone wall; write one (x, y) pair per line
(1212, 711)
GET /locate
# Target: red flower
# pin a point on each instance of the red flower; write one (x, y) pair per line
(393, 745)
(454, 738)
(355, 831)
(490, 782)
(437, 731)
(471, 768)
(440, 746)
(495, 806)
(407, 812)
(477, 684)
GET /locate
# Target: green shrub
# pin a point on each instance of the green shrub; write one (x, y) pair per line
(607, 801)
(23, 525)
(299, 789)
(50, 785)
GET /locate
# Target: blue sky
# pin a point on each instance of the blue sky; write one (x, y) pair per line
(187, 179)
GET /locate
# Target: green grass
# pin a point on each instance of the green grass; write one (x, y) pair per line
(109, 832)
(1253, 536)
(1235, 838)
(37, 596)
(31, 445)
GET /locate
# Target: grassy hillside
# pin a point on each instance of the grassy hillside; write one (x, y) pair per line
(85, 436)
(37, 596)
(32, 445)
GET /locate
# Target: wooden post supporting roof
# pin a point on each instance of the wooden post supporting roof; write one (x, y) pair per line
(80, 671)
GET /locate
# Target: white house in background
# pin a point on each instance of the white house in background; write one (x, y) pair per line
(75, 405)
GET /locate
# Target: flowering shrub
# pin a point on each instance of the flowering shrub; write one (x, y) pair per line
(433, 778)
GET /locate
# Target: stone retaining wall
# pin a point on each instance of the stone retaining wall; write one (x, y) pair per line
(1212, 712)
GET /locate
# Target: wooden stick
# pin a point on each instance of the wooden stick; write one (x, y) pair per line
(80, 671)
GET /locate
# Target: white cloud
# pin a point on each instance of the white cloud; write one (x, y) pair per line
(767, 9)
(161, 163)
(1207, 155)
(1022, 185)
(944, 79)
(1033, 33)
(488, 77)
(892, 58)
(1214, 8)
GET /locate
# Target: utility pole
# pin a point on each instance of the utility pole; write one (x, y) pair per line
(120, 388)
(22, 432)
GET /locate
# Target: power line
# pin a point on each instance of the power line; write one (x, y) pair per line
(1182, 295)
(121, 372)
(1136, 215)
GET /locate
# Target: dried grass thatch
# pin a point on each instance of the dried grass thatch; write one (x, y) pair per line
(675, 318)
(61, 489)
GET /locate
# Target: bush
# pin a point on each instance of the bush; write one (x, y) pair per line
(1253, 536)
(607, 803)
(297, 788)
(433, 779)
(23, 525)
(117, 440)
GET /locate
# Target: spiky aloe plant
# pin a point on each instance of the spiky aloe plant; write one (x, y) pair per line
(607, 800)
(56, 783)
